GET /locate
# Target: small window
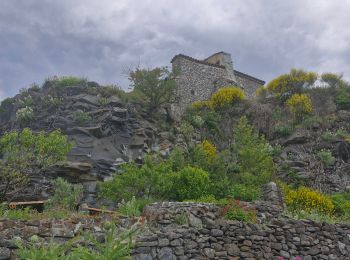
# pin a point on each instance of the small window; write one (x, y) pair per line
(192, 91)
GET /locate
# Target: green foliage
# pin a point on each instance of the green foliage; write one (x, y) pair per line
(326, 157)
(157, 85)
(293, 82)
(25, 114)
(343, 97)
(149, 181)
(189, 183)
(66, 81)
(81, 117)
(25, 152)
(341, 203)
(236, 210)
(333, 80)
(4, 104)
(66, 195)
(115, 245)
(329, 136)
(34, 87)
(253, 155)
(283, 130)
(26, 101)
(23, 214)
(181, 219)
(134, 207)
(245, 192)
(52, 101)
(111, 90)
(37, 251)
(103, 101)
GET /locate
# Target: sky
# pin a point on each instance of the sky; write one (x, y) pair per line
(104, 39)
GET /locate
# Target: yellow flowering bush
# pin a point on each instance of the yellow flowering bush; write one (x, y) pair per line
(209, 149)
(287, 84)
(347, 139)
(299, 104)
(226, 96)
(308, 200)
(200, 104)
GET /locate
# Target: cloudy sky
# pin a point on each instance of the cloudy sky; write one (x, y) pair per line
(102, 39)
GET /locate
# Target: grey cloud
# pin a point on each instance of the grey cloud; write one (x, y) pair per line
(101, 39)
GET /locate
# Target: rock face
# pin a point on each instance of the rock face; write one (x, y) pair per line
(111, 132)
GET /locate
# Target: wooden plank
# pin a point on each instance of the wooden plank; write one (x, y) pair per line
(13, 205)
(102, 211)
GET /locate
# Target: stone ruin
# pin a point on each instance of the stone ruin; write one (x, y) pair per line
(197, 80)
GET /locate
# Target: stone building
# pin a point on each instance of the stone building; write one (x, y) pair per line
(198, 79)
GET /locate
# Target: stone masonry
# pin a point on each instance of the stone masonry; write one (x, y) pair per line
(198, 79)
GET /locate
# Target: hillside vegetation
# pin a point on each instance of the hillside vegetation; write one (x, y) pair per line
(296, 132)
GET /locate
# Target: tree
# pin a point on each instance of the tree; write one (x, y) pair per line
(293, 82)
(253, 154)
(158, 85)
(24, 153)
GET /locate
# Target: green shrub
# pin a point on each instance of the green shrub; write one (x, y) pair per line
(67, 81)
(103, 101)
(189, 183)
(81, 117)
(326, 157)
(34, 87)
(236, 210)
(52, 101)
(25, 114)
(134, 207)
(343, 98)
(283, 130)
(66, 195)
(25, 152)
(245, 192)
(26, 101)
(253, 155)
(37, 251)
(157, 85)
(151, 180)
(115, 245)
(341, 203)
(23, 214)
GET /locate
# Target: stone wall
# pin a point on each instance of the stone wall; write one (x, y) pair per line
(250, 84)
(202, 234)
(195, 82)
(236, 240)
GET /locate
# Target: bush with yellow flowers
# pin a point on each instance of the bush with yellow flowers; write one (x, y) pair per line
(286, 85)
(209, 149)
(225, 97)
(308, 200)
(299, 105)
(347, 139)
(200, 104)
